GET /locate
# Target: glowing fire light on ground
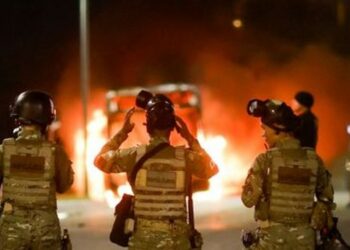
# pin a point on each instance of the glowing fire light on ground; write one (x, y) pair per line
(227, 181)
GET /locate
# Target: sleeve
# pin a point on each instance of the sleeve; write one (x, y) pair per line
(64, 173)
(253, 185)
(116, 161)
(322, 216)
(111, 159)
(324, 187)
(199, 162)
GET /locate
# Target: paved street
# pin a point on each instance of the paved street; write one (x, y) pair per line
(220, 222)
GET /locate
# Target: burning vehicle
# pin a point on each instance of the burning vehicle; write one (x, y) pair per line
(105, 123)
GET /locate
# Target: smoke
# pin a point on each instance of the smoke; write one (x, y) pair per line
(229, 66)
(228, 87)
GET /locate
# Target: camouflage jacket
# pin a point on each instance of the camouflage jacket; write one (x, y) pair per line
(64, 174)
(254, 189)
(111, 159)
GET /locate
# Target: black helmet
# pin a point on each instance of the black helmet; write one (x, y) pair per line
(159, 111)
(33, 107)
(304, 98)
(275, 114)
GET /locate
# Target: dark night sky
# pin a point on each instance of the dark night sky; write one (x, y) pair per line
(34, 36)
(39, 39)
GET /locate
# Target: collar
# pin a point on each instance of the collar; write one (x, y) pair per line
(158, 139)
(29, 133)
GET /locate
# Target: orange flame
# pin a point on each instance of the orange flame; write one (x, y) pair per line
(231, 168)
(95, 140)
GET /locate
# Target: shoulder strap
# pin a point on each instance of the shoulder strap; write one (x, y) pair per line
(190, 200)
(142, 160)
(7, 141)
(271, 154)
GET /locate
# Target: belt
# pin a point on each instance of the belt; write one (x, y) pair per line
(161, 225)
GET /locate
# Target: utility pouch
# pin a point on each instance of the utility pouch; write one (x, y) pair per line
(262, 210)
(249, 238)
(196, 240)
(123, 212)
(321, 216)
(66, 243)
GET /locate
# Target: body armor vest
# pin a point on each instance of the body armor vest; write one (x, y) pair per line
(29, 174)
(160, 187)
(291, 186)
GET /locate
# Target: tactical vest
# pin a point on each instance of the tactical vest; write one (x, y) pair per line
(291, 186)
(29, 172)
(160, 187)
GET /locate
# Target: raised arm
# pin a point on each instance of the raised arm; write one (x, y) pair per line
(197, 159)
(105, 159)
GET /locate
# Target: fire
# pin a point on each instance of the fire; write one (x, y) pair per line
(231, 168)
(95, 178)
(227, 181)
(95, 140)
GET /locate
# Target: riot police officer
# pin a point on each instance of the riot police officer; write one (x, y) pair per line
(287, 185)
(33, 170)
(160, 186)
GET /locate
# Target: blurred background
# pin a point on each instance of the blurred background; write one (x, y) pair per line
(232, 51)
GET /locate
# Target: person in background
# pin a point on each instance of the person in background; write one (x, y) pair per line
(307, 132)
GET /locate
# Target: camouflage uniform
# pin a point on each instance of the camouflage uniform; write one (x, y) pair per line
(282, 184)
(32, 169)
(160, 197)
